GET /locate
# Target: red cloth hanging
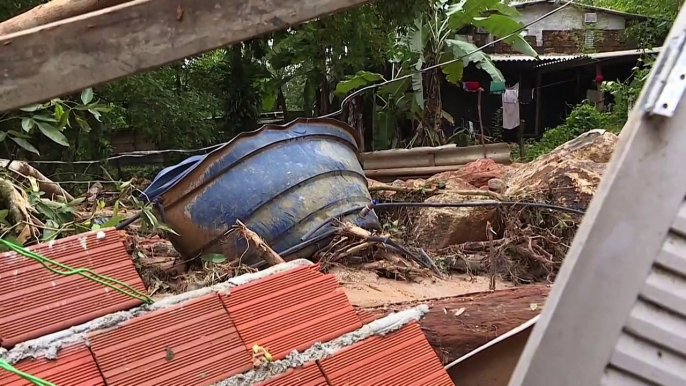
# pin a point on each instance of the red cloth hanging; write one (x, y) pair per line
(471, 86)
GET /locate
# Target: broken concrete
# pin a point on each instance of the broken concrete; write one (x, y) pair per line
(319, 351)
(48, 346)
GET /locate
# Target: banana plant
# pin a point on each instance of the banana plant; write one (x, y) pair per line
(436, 38)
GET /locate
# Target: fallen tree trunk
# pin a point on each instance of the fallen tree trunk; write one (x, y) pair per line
(457, 325)
(53, 11)
(53, 191)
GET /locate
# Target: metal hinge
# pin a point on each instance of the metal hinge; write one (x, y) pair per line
(669, 84)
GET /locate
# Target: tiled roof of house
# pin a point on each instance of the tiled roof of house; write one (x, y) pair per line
(35, 301)
(205, 337)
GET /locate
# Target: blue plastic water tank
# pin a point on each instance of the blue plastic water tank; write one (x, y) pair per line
(282, 182)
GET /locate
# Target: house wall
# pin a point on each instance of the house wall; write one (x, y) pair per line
(569, 18)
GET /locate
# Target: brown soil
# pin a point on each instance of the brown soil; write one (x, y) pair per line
(366, 289)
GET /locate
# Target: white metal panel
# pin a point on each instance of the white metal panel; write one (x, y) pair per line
(617, 312)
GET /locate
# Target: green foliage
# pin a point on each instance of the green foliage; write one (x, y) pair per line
(51, 119)
(583, 118)
(432, 39)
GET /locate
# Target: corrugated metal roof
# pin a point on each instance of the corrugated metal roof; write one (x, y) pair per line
(193, 343)
(35, 302)
(400, 358)
(308, 375)
(291, 311)
(544, 60)
(527, 58)
(75, 366)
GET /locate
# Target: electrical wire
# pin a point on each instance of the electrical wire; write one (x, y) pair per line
(344, 103)
(85, 272)
(35, 380)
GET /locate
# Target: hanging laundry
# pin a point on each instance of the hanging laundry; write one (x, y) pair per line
(511, 107)
(471, 86)
(497, 87)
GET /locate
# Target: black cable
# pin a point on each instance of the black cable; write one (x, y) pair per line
(478, 204)
(307, 240)
(128, 221)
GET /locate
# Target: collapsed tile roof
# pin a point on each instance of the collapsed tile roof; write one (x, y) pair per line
(35, 301)
(203, 337)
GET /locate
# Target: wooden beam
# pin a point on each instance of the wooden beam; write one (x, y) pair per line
(457, 325)
(72, 54)
(52, 11)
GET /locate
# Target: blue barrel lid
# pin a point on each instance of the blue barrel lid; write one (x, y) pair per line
(169, 176)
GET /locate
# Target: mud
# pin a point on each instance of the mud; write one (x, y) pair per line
(366, 289)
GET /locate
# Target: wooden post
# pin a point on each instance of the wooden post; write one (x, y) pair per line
(481, 123)
(520, 139)
(135, 36)
(537, 126)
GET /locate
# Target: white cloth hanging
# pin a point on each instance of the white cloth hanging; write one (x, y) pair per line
(511, 107)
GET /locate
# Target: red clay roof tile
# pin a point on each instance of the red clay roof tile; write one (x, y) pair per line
(401, 358)
(308, 375)
(36, 302)
(73, 366)
(193, 343)
(291, 311)
(366, 316)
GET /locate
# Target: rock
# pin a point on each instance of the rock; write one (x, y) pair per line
(451, 180)
(568, 176)
(437, 228)
(496, 185)
(478, 173)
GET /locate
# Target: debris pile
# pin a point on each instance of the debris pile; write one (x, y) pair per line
(521, 244)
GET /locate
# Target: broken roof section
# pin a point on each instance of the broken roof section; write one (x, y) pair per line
(35, 301)
(207, 337)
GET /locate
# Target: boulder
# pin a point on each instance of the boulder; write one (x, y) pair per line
(437, 228)
(567, 176)
(478, 173)
(451, 180)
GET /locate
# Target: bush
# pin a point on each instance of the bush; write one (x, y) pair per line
(583, 118)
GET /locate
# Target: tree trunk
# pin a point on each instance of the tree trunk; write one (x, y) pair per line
(457, 325)
(353, 116)
(433, 109)
(281, 102)
(53, 11)
(324, 105)
(22, 170)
